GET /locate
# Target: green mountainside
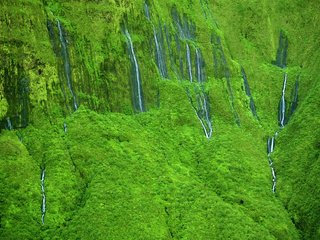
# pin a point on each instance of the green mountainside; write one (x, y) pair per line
(154, 119)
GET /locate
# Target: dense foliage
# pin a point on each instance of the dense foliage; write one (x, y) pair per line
(114, 173)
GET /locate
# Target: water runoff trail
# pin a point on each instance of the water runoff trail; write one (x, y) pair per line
(284, 114)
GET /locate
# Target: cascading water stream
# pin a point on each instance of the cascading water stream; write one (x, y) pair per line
(283, 119)
(199, 101)
(137, 89)
(202, 112)
(9, 124)
(270, 149)
(160, 56)
(161, 64)
(65, 127)
(203, 105)
(189, 62)
(271, 140)
(146, 10)
(66, 63)
(43, 204)
(199, 66)
(282, 104)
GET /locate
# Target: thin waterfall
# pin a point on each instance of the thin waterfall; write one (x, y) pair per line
(137, 89)
(66, 63)
(65, 127)
(201, 107)
(270, 145)
(189, 62)
(180, 55)
(199, 66)
(178, 24)
(43, 204)
(283, 119)
(9, 124)
(270, 149)
(203, 113)
(146, 10)
(185, 28)
(185, 31)
(282, 104)
(160, 55)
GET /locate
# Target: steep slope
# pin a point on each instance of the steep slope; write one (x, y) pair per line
(150, 120)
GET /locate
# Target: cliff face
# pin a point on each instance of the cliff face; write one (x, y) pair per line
(128, 119)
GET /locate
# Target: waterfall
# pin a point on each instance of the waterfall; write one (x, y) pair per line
(43, 204)
(282, 104)
(146, 10)
(202, 112)
(282, 121)
(270, 149)
(185, 30)
(137, 89)
(202, 107)
(199, 66)
(271, 140)
(9, 124)
(189, 62)
(202, 98)
(66, 63)
(270, 145)
(177, 21)
(160, 55)
(248, 92)
(65, 128)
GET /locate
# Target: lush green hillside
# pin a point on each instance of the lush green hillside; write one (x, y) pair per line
(150, 120)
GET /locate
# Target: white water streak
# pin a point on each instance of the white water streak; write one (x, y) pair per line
(66, 65)
(199, 73)
(43, 204)
(282, 102)
(9, 124)
(189, 62)
(136, 68)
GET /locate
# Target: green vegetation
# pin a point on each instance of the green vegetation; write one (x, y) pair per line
(115, 174)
